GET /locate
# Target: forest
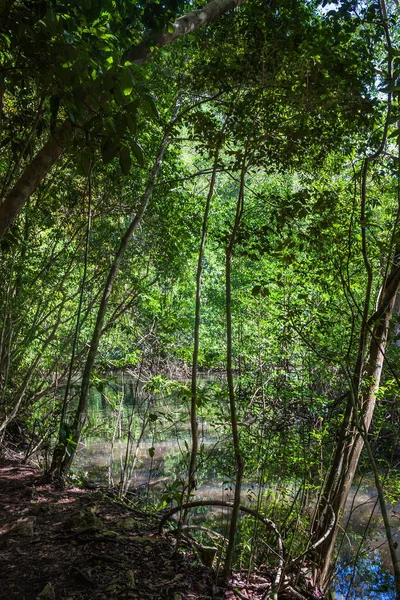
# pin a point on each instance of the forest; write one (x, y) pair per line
(200, 245)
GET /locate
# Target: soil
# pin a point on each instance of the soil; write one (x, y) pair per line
(76, 544)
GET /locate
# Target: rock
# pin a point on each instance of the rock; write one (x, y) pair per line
(47, 593)
(143, 539)
(85, 520)
(127, 524)
(23, 527)
(130, 576)
(113, 535)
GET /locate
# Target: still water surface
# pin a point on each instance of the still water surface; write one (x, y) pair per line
(161, 437)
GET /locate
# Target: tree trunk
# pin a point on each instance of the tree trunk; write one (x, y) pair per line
(351, 441)
(229, 374)
(182, 26)
(32, 176)
(193, 402)
(60, 448)
(19, 396)
(369, 365)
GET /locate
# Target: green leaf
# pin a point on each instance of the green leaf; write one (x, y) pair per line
(6, 38)
(127, 90)
(131, 122)
(68, 36)
(125, 160)
(118, 95)
(126, 82)
(109, 150)
(394, 133)
(259, 290)
(85, 158)
(121, 124)
(151, 451)
(150, 108)
(132, 107)
(138, 152)
(109, 80)
(68, 132)
(393, 119)
(387, 89)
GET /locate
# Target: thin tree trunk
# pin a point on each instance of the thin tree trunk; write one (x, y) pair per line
(60, 468)
(6, 333)
(45, 159)
(229, 373)
(193, 405)
(60, 448)
(32, 369)
(385, 517)
(361, 398)
(351, 440)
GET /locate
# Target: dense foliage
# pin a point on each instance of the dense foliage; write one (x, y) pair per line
(274, 128)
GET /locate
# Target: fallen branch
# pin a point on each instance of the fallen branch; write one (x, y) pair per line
(212, 534)
(237, 592)
(295, 593)
(81, 575)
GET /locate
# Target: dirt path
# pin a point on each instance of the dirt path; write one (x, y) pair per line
(73, 544)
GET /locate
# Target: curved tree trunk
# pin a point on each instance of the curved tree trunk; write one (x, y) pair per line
(32, 176)
(182, 26)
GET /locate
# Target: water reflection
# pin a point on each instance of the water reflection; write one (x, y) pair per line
(369, 580)
(160, 430)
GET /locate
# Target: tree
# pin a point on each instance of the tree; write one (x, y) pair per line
(93, 92)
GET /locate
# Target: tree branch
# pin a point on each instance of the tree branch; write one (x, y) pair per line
(182, 26)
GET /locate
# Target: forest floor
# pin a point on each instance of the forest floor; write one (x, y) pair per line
(76, 544)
